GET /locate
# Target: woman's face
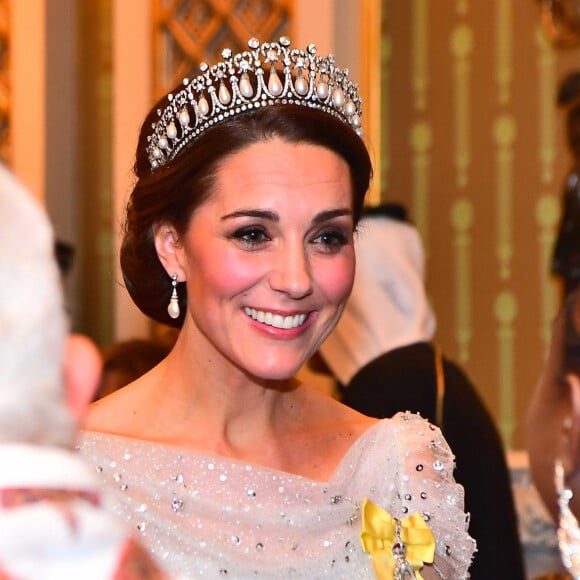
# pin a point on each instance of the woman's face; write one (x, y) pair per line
(269, 258)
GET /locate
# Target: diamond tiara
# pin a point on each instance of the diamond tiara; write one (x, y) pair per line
(295, 77)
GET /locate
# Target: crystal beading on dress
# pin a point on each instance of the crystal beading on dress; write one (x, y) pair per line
(209, 516)
(568, 530)
(238, 84)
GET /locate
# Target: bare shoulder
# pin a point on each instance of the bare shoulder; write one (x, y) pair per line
(112, 414)
(321, 434)
(331, 415)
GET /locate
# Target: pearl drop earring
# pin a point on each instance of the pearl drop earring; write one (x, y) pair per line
(173, 308)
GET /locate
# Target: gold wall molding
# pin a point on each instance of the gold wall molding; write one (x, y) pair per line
(420, 53)
(504, 59)
(421, 141)
(547, 218)
(421, 137)
(547, 209)
(546, 109)
(504, 136)
(505, 311)
(462, 221)
(462, 7)
(461, 48)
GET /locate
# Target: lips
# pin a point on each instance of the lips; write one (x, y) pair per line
(276, 320)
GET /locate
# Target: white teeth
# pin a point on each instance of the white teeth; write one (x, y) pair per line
(276, 320)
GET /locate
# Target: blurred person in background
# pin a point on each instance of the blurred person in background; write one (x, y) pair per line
(553, 431)
(51, 522)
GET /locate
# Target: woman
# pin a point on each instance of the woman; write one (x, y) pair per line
(554, 449)
(250, 182)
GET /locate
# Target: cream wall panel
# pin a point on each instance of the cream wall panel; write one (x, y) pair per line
(132, 99)
(28, 66)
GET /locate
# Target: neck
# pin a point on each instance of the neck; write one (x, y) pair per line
(200, 398)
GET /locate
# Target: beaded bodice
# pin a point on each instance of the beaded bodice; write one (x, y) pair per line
(212, 517)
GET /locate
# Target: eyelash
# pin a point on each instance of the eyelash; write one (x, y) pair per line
(247, 236)
(332, 240)
(252, 237)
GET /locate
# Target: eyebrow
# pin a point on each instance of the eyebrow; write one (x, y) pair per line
(257, 213)
(274, 217)
(331, 214)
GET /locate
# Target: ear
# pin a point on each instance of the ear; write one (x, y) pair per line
(169, 249)
(82, 372)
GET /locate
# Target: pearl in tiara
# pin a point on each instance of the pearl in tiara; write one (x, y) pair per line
(239, 84)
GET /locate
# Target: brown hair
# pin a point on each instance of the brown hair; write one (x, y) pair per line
(172, 192)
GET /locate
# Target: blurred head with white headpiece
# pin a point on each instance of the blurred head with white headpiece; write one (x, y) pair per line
(35, 406)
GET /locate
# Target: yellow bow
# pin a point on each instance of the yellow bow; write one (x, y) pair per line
(379, 534)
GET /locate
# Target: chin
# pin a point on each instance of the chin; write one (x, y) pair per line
(274, 371)
(276, 375)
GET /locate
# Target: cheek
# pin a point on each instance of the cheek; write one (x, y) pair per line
(224, 273)
(336, 279)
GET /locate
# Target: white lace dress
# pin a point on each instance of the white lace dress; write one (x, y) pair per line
(205, 516)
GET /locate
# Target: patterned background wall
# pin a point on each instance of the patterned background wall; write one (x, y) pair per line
(473, 144)
(188, 32)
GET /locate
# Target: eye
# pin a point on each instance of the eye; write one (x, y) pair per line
(250, 236)
(332, 240)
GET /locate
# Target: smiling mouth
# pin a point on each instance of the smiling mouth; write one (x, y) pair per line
(276, 320)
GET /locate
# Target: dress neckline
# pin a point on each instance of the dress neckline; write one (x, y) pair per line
(198, 455)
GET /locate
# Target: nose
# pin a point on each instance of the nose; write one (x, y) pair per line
(291, 273)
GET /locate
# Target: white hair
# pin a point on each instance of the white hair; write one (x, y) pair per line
(33, 324)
